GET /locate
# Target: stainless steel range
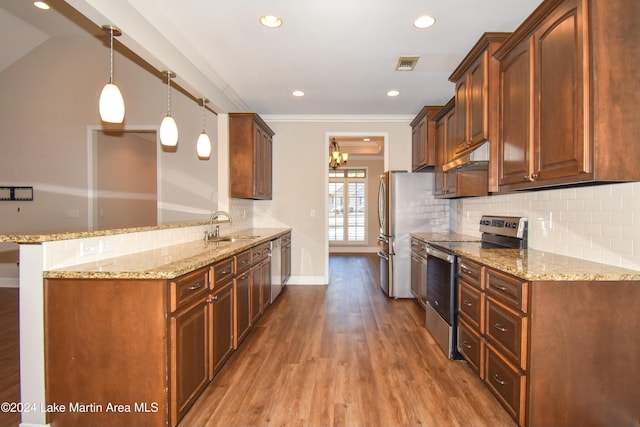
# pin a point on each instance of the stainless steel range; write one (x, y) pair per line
(505, 232)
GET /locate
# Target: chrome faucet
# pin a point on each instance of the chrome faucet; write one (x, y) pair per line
(215, 219)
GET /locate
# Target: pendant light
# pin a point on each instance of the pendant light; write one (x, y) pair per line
(168, 127)
(111, 102)
(203, 146)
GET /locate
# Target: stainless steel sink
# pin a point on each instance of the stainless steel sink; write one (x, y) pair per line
(233, 238)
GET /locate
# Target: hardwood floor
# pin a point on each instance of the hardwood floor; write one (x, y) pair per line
(344, 355)
(9, 354)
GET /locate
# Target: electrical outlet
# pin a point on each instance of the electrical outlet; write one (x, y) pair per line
(548, 221)
(88, 248)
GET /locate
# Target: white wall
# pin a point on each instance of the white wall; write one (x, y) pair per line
(599, 223)
(300, 176)
(49, 103)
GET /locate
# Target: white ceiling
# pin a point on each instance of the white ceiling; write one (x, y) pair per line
(341, 53)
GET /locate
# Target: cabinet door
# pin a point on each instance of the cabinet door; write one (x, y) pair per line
(222, 319)
(514, 148)
(415, 273)
(242, 317)
(266, 283)
(451, 138)
(189, 356)
(422, 296)
(479, 100)
(258, 164)
(461, 110)
(559, 95)
(417, 148)
(256, 292)
(440, 156)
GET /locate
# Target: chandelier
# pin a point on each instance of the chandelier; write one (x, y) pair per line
(336, 158)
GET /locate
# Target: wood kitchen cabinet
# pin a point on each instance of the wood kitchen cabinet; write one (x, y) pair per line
(564, 116)
(423, 144)
(419, 271)
(222, 313)
(242, 295)
(190, 340)
(553, 352)
(250, 156)
(476, 101)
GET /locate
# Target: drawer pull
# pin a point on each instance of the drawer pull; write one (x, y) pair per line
(466, 344)
(499, 327)
(500, 288)
(196, 286)
(465, 269)
(497, 379)
(467, 303)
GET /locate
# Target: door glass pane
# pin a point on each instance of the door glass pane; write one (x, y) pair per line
(336, 211)
(356, 208)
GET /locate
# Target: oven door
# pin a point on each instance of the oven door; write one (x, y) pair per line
(441, 283)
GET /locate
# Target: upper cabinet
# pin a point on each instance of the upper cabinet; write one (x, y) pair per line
(423, 142)
(565, 114)
(250, 156)
(476, 100)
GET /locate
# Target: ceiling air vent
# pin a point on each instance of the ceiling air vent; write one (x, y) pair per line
(407, 63)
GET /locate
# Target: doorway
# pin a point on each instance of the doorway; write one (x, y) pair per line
(125, 183)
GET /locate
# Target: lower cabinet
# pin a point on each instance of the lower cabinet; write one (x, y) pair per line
(553, 352)
(222, 320)
(190, 355)
(419, 271)
(152, 345)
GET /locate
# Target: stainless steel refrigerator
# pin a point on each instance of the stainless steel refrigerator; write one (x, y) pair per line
(405, 204)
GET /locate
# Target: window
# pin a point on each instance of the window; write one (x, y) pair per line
(347, 206)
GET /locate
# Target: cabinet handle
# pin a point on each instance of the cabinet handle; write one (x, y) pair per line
(465, 269)
(534, 176)
(196, 286)
(215, 298)
(466, 344)
(467, 303)
(500, 287)
(501, 328)
(497, 379)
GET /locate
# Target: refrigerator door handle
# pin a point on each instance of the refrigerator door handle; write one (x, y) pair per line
(383, 255)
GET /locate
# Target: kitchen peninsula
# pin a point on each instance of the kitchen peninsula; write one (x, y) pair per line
(118, 317)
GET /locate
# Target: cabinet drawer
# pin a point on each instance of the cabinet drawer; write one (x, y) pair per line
(471, 346)
(187, 288)
(471, 305)
(508, 289)
(507, 383)
(243, 261)
(505, 329)
(222, 271)
(471, 272)
(259, 252)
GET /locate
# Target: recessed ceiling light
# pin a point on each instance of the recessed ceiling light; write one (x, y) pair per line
(41, 5)
(424, 21)
(270, 21)
(393, 93)
(297, 93)
(366, 139)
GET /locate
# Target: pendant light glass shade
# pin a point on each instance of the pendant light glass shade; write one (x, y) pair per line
(111, 103)
(168, 127)
(203, 145)
(169, 132)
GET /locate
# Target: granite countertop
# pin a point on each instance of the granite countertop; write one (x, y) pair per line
(168, 262)
(55, 235)
(531, 264)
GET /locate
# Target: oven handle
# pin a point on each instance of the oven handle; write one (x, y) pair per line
(439, 254)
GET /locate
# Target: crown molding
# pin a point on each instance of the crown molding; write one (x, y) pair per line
(323, 118)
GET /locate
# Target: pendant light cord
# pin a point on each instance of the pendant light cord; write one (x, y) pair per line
(203, 108)
(168, 93)
(111, 65)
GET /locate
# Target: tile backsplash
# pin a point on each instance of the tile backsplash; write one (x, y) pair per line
(598, 223)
